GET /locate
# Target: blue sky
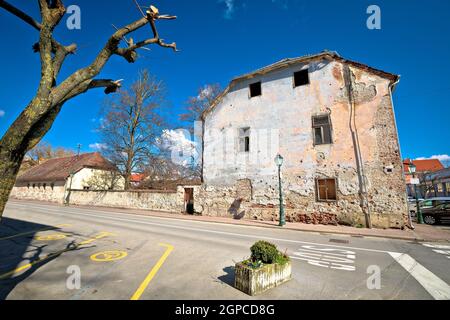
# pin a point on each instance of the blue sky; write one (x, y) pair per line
(220, 39)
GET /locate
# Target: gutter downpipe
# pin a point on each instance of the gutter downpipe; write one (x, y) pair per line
(359, 162)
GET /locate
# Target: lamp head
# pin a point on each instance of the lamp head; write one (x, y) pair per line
(279, 160)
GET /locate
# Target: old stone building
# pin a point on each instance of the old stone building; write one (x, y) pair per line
(331, 119)
(53, 179)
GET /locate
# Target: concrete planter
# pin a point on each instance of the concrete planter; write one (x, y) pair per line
(256, 281)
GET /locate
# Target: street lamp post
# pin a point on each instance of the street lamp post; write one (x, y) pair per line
(279, 160)
(412, 170)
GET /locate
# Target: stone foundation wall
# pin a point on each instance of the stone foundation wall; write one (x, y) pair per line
(145, 200)
(245, 201)
(55, 195)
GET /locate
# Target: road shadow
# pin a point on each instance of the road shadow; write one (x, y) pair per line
(228, 277)
(17, 248)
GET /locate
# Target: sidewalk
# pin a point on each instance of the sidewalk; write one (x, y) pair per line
(422, 233)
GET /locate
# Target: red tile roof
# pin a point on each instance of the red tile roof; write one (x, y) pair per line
(431, 165)
(138, 177)
(61, 168)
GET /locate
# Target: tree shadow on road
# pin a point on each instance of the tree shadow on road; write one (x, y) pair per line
(17, 249)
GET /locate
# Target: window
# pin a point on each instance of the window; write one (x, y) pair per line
(255, 89)
(34, 185)
(86, 188)
(322, 130)
(28, 186)
(326, 190)
(52, 186)
(301, 78)
(244, 140)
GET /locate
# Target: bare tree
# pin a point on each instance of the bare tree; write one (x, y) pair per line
(131, 124)
(38, 117)
(195, 106)
(45, 151)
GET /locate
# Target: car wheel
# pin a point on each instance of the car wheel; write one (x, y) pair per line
(429, 220)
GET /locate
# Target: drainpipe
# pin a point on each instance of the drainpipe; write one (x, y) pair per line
(364, 202)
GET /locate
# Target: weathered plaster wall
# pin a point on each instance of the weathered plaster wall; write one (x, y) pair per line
(281, 122)
(25, 192)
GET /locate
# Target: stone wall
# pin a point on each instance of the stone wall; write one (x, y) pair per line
(49, 194)
(145, 200)
(246, 184)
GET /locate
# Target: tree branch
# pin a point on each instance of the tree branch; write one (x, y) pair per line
(112, 48)
(20, 14)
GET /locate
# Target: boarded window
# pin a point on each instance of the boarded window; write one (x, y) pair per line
(301, 78)
(255, 89)
(244, 140)
(326, 190)
(322, 130)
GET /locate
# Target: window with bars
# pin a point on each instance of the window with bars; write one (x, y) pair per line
(244, 140)
(326, 190)
(322, 130)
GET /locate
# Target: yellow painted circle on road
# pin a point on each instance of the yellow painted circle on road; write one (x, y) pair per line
(108, 256)
(51, 237)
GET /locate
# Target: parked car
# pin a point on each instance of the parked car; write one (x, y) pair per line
(438, 214)
(434, 202)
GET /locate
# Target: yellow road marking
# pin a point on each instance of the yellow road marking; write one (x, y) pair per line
(51, 237)
(98, 237)
(35, 231)
(108, 256)
(29, 265)
(137, 295)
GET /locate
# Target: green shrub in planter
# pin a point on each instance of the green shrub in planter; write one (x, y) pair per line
(267, 253)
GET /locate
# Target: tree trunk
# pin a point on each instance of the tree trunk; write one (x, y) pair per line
(9, 168)
(15, 144)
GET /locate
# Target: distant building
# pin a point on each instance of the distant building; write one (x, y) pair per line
(437, 184)
(423, 168)
(53, 179)
(137, 179)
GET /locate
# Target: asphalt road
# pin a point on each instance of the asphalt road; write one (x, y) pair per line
(43, 249)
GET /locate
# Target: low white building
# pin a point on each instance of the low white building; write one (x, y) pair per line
(54, 179)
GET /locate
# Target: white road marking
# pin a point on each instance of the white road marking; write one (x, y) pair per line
(437, 246)
(330, 258)
(437, 288)
(440, 249)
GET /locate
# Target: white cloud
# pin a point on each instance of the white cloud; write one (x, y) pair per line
(98, 146)
(230, 8)
(182, 148)
(440, 157)
(2, 113)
